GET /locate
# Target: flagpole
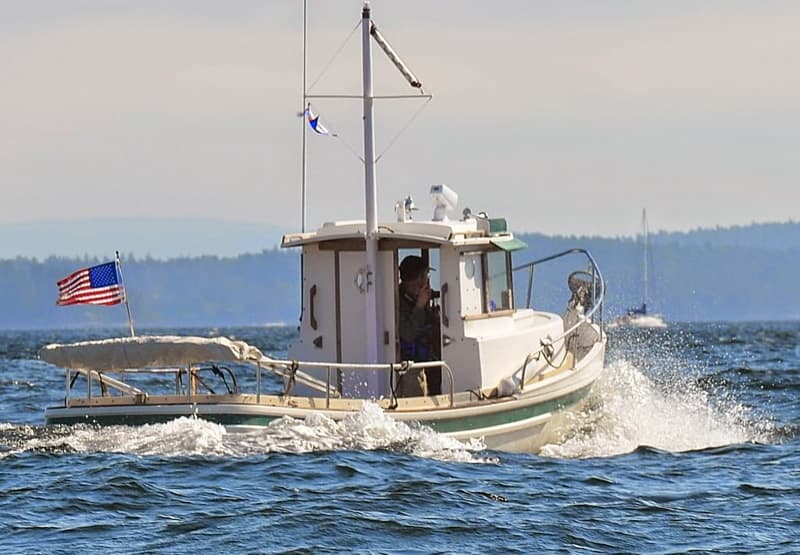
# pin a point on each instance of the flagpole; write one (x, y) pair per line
(127, 306)
(303, 121)
(303, 160)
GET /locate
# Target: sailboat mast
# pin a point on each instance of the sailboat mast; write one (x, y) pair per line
(644, 254)
(372, 306)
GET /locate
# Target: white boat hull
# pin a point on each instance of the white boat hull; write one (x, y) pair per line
(519, 423)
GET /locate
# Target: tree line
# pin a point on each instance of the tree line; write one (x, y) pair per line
(690, 279)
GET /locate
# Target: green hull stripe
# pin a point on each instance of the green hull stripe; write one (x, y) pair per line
(508, 416)
(459, 424)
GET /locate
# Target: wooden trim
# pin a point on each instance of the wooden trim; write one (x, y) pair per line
(358, 244)
(443, 304)
(485, 282)
(396, 270)
(509, 280)
(487, 315)
(394, 244)
(355, 244)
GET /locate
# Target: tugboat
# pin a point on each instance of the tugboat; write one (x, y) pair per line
(483, 364)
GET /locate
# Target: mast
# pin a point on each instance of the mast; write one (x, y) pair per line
(303, 149)
(644, 256)
(303, 107)
(372, 300)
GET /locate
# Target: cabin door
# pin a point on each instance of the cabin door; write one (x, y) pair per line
(434, 336)
(352, 321)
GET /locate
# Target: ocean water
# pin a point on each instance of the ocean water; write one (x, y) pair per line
(689, 444)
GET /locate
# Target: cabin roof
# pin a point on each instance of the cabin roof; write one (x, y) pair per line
(466, 232)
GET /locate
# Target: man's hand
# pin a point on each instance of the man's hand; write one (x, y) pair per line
(424, 295)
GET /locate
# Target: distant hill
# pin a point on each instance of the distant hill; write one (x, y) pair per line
(157, 238)
(769, 236)
(706, 275)
(687, 282)
(250, 289)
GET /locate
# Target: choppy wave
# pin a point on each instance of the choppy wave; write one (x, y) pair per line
(371, 484)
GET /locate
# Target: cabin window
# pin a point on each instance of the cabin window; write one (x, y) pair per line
(486, 285)
(499, 294)
(471, 276)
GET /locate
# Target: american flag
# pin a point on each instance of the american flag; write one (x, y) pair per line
(95, 285)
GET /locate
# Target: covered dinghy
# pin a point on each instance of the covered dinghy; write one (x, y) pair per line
(147, 351)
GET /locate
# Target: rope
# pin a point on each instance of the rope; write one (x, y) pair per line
(336, 135)
(202, 382)
(292, 375)
(335, 55)
(546, 351)
(402, 129)
(350, 148)
(218, 372)
(478, 394)
(347, 145)
(393, 385)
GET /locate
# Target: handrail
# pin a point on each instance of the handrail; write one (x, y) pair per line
(598, 297)
(287, 369)
(292, 366)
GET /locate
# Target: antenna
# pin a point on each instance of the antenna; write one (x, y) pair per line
(303, 124)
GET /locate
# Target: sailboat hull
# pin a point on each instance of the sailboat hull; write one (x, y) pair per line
(646, 321)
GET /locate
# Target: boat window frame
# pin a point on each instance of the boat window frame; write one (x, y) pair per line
(484, 252)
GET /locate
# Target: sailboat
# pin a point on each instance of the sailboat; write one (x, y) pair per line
(639, 316)
(499, 370)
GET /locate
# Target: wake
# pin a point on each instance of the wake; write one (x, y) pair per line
(368, 430)
(628, 410)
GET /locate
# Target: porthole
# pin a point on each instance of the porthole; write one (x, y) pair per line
(469, 268)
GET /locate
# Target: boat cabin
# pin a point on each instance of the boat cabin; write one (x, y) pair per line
(481, 335)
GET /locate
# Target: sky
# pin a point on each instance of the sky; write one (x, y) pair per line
(563, 117)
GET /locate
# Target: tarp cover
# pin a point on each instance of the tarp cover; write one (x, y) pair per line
(147, 351)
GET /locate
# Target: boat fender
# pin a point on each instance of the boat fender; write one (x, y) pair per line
(507, 387)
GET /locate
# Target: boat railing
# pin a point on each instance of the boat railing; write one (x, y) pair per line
(598, 284)
(594, 313)
(292, 371)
